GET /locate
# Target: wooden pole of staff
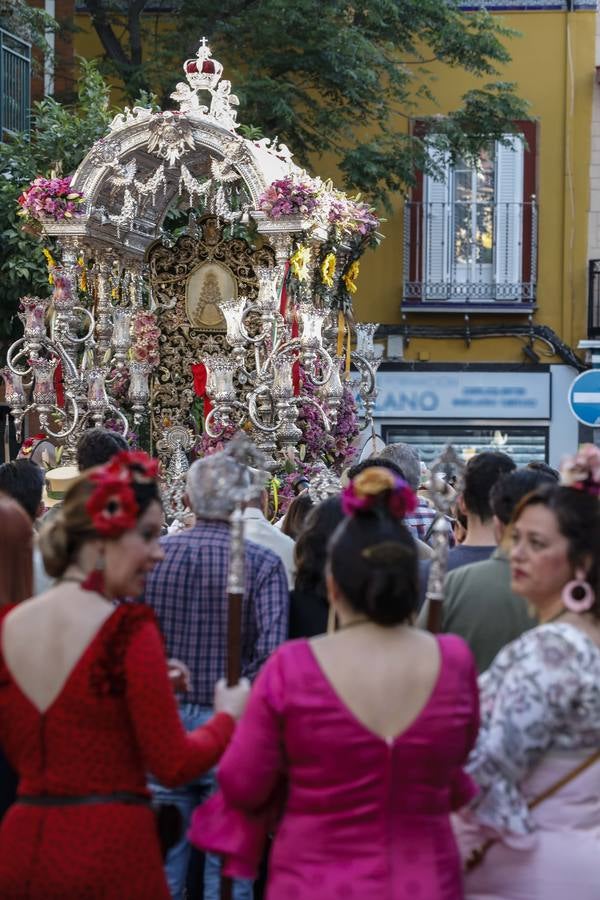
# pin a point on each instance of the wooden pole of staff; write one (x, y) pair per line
(235, 594)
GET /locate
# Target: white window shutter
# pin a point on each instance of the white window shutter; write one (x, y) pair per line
(508, 236)
(436, 230)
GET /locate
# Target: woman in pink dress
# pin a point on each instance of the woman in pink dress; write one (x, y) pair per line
(540, 709)
(360, 734)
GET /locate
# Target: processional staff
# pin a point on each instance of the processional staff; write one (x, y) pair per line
(448, 466)
(248, 479)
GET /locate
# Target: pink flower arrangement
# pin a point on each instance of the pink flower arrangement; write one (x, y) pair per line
(50, 198)
(376, 488)
(351, 216)
(336, 447)
(582, 471)
(288, 197)
(146, 334)
(321, 202)
(206, 445)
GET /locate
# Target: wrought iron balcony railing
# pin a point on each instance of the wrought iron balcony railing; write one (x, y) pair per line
(15, 84)
(470, 254)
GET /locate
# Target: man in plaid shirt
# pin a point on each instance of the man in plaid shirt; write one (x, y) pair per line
(188, 592)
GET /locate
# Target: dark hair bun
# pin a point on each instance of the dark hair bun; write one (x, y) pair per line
(374, 562)
(378, 490)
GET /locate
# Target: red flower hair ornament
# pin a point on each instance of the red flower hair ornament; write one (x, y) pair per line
(112, 506)
(378, 488)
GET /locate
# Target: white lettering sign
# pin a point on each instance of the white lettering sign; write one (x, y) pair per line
(463, 395)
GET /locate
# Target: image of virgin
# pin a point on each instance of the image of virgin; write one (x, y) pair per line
(208, 285)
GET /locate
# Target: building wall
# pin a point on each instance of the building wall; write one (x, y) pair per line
(63, 76)
(594, 218)
(553, 66)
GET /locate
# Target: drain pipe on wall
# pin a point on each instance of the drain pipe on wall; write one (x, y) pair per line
(569, 223)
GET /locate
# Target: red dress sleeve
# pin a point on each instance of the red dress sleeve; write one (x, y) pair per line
(171, 754)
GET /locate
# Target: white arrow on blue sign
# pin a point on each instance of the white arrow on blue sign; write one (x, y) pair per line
(584, 397)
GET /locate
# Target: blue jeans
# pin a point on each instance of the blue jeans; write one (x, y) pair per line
(187, 798)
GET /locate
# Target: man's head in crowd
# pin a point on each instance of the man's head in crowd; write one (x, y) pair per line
(23, 480)
(481, 474)
(510, 489)
(371, 462)
(407, 459)
(97, 446)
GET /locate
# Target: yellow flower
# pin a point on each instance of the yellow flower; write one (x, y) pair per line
(51, 264)
(328, 270)
(351, 276)
(299, 262)
(275, 484)
(83, 276)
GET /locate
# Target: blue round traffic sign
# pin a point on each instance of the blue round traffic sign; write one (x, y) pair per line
(584, 398)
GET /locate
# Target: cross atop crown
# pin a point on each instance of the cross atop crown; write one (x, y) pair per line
(203, 72)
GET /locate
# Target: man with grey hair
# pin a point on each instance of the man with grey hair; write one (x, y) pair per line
(257, 528)
(188, 592)
(407, 458)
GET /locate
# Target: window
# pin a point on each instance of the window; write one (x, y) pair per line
(15, 84)
(470, 232)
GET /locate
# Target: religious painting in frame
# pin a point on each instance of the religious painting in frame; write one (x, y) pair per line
(207, 286)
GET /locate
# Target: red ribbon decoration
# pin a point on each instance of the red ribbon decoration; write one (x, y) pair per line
(199, 375)
(59, 386)
(296, 365)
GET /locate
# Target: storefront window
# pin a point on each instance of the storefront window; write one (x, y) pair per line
(522, 444)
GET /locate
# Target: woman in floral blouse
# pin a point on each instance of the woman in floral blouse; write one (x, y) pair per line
(540, 710)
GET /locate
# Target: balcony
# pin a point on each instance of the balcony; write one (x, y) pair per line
(15, 84)
(470, 257)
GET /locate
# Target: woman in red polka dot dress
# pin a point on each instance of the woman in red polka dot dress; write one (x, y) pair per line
(86, 705)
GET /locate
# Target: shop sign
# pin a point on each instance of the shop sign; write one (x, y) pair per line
(463, 395)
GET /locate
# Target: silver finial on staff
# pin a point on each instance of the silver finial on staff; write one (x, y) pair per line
(448, 466)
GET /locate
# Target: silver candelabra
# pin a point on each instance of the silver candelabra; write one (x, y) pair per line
(87, 347)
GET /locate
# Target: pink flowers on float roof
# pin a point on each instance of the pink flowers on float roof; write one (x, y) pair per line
(50, 198)
(288, 197)
(319, 201)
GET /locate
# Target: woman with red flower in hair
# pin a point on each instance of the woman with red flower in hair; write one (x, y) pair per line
(86, 707)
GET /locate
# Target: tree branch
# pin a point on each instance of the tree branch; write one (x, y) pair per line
(104, 30)
(135, 9)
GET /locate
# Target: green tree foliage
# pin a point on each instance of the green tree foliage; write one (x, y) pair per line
(28, 22)
(60, 138)
(330, 77)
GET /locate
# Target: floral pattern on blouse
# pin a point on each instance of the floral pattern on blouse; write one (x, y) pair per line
(541, 693)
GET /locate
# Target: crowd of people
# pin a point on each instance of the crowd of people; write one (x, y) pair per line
(360, 756)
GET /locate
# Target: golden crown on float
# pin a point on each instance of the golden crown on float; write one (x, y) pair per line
(203, 72)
